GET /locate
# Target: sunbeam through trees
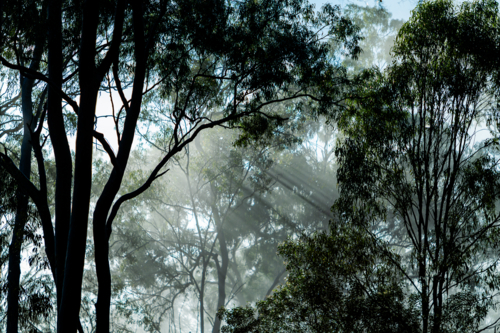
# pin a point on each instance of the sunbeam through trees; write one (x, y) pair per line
(249, 166)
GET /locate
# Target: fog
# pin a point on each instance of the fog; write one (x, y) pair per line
(204, 236)
(216, 203)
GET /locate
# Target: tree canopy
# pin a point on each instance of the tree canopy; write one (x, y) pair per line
(177, 68)
(160, 159)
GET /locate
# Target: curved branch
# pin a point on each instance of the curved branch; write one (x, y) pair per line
(40, 201)
(19, 177)
(100, 137)
(119, 86)
(30, 73)
(126, 197)
(9, 103)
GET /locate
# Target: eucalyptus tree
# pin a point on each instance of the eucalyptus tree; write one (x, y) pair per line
(378, 30)
(231, 187)
(337, 282)
(201, 64)
(211, 237)
(24, 44)
(419, 193)
(35, 296)
(414, 170)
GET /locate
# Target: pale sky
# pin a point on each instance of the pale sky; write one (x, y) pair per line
(400, 9)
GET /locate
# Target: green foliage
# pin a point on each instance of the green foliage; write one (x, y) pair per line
(180, 247)
(207, 63)
(37, 295)
(244, 58)
(337, 282)
(412, 169)
(261, 194)
(417, 227)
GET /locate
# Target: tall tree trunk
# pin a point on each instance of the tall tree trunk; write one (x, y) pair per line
(14, 262)
(103, 206)
(90, 78)
(204, 256)
(222, 267)
(69, 309)
(425, 298)
(29, 125)
(202, 294)
(59, 141)
(14, 274)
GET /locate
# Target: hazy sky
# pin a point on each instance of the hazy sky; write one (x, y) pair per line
(400, 9)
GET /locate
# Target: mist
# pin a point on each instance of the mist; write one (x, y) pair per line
(344, 193)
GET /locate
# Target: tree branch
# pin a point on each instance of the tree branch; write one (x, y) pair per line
(100, 137)
(113, 52)
(39, 76)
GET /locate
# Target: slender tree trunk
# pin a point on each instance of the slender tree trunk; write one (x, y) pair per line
(59, 141)
(104, 204)
(205, 261)
(425, 299)
(436, 323)
(204, 258)
(14, 263)
(202, 295)
(14, 274)
(90, 78)
(101, 246)
(239, 281)
(221, 268)
(69, 309)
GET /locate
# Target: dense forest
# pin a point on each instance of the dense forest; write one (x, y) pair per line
(249, 166)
